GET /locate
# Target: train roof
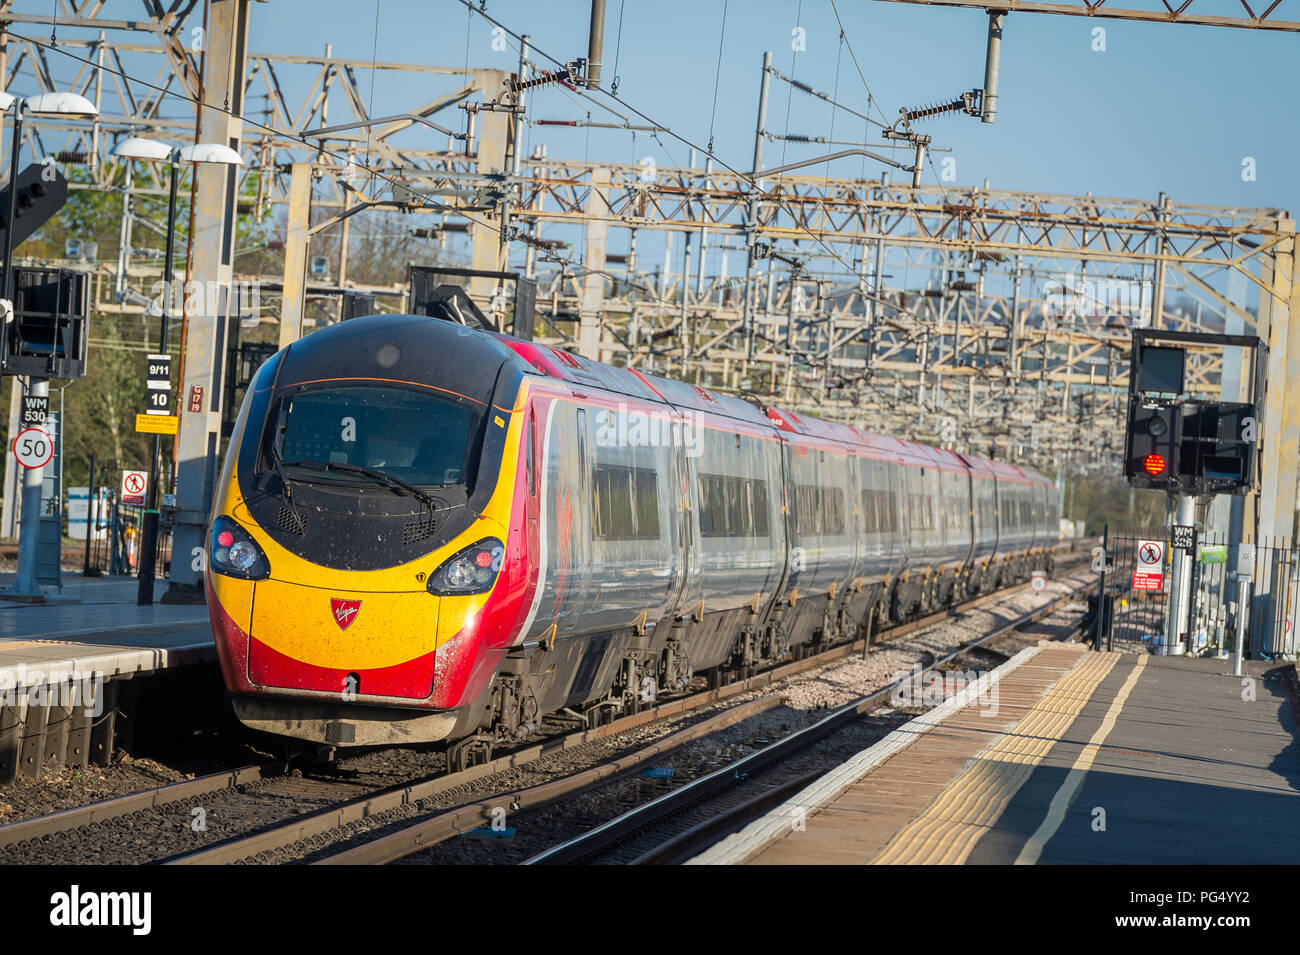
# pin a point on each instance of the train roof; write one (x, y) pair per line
(576, 370)
(579, 371)
(461, 362)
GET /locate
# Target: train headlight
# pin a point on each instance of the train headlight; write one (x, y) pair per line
(233, 552)
(473, 571)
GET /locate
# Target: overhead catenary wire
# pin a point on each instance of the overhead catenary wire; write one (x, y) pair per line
(342, 158)
(871, 99)
(789, 93)
(749, 178)
(717, 76)
(618, 46)
(426, 202)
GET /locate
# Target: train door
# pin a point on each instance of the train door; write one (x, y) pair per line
(784, 501)
(858, 522)
(965, 524)
(998, 521)
(886, 517)
(685, 499)
(581, 530)
(898, 517)
(533, 479)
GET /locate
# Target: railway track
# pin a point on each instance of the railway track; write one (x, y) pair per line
(680, 824)
(430, 831)
(291, 787)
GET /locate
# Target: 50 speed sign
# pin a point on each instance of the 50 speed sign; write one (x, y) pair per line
(33, 448)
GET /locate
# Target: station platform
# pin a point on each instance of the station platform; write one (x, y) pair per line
(1064, 756)
(98, 628)
(70, 668)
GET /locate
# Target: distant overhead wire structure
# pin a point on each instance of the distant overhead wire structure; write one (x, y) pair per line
(866, 300)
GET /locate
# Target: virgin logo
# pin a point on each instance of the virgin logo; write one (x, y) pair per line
(345, 611)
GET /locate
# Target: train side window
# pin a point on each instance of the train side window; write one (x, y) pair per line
(758, 498)
(625, 503)
(647, 504)
(868, 511)
(707, 506)
(582, 444)
(834, 511)
(733, 506)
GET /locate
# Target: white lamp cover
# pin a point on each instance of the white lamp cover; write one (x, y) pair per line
(210, 152)
(136, 147)
(60, 104)
(6, 100)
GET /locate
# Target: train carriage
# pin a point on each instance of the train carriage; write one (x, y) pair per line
(426, 532)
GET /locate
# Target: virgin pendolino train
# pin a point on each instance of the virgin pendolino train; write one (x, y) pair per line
(427, 532)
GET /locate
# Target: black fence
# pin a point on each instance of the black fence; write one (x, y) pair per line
(115, 532)
(1261, 601)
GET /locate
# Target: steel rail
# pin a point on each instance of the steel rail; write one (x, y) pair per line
(431, 831)
(455, 820)
(80, 816)
(25, 830)
(737, 773)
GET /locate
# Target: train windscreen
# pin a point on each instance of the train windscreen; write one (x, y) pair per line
(414, 436)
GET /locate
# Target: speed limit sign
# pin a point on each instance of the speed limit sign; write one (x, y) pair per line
(33, 448)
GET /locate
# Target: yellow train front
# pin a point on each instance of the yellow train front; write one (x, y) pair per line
(367, 555)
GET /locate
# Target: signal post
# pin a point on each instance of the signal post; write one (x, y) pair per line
(1187, 447)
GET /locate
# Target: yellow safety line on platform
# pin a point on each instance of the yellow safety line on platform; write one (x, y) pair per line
(947, 829)
(1033, 849)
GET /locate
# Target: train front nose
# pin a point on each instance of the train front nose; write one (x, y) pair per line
(358, 646)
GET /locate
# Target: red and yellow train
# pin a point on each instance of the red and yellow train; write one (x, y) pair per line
(426, 532)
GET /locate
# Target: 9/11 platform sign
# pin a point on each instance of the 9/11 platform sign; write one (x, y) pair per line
(158, 385)
(1150, 571)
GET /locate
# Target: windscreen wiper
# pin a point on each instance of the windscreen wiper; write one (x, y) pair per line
(277, 465)
(376, 474)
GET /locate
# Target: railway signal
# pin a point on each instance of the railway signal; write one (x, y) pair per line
(1182, 444)
(1186, 445)
(1151, 456)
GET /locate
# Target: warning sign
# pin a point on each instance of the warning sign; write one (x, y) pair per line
(1150, 571)
(150, 423)
(133, 485)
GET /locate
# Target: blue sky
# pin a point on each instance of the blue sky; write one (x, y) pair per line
(1168, 108)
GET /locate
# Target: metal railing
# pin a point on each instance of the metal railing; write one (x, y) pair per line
(1262, 601)
(114, 534)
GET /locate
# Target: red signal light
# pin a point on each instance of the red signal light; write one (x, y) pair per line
(1153, 464)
